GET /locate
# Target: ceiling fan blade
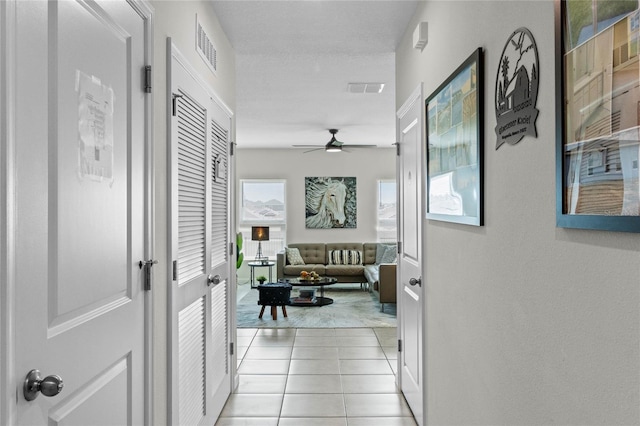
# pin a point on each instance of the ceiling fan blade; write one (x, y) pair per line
(308, 146)
(311, 150)
(359, 146)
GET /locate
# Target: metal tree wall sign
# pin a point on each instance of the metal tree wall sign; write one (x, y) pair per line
(517, 89)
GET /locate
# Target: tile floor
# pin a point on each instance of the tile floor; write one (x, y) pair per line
(319, 376)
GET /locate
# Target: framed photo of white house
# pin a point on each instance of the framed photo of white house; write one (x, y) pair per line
(454, 115)
(597, 114)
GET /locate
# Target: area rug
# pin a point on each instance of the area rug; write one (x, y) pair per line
(351, 307)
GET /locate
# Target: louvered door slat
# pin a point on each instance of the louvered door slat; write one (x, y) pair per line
(191, 362)
(188, 229)
(193, 109)
(187, 161)
(219, 221)
(193, 153)
(187, 134)
(191, 261)
(192, 160)
(219, 333)
(190, 129)
(189, 206)
(191, 188)
(189, 173)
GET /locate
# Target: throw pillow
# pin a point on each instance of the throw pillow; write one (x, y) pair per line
(345, 257)
(294, 257)
(390, 255)
(381, 249)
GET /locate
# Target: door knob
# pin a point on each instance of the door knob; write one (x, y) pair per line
(414, 281)
(34, 384)
(215, 280)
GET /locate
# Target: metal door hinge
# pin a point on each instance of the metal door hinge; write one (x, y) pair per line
(147, 79)
(147, 265)
(397, 144)
(231, 348)
(231, 250)
(175, 270)
(399, 345)
(174, 104)
(232, 148)
(399, 247)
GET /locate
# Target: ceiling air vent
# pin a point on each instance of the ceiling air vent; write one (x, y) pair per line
(205, 47)
(365, 87)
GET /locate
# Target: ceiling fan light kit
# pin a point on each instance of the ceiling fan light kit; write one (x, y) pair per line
(333, 145)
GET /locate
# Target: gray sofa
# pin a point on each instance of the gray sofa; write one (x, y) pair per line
(381, 279)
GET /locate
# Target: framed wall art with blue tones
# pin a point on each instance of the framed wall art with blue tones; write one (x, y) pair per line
(454, 123)
(597, 115)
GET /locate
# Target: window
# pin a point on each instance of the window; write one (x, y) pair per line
(386, 228)
(262, 202)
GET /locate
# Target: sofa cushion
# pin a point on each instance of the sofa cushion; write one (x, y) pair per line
(312, 253)
(343, 246)
(369, 253)
(294, 257)
(390, 255)
(345, 257)
(381, 251)
(343, 270)
(296, 269)
(372, 273)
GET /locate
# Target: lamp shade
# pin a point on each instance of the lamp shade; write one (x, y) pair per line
(260, 233)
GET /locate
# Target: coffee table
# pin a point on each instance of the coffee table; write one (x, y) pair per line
(320, 282)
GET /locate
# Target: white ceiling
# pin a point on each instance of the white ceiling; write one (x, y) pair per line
(294, 59)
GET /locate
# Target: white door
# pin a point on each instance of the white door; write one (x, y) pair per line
(199, 293)
(410, 118)
(79, 225)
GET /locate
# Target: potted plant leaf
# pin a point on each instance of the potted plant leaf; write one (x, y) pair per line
(239, 254)
(261, 279)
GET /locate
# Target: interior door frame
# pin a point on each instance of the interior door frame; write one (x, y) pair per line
(144, 8)
(416, 96)
(7, 206)
(8, 72)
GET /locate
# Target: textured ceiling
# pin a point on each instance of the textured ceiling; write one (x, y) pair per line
(294, 60)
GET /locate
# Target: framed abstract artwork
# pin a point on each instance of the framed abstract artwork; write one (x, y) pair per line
(597, 114)
(454, 115)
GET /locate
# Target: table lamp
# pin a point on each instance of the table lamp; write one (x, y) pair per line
(259, 234)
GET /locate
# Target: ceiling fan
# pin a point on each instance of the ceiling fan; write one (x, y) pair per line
(334, 145)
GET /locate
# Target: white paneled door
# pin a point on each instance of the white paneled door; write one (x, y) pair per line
(411, 289)
(199, 291)
(78, 221)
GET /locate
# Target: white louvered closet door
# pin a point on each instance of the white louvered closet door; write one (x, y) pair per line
(200, 373)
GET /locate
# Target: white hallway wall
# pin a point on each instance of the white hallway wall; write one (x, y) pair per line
(526, 323)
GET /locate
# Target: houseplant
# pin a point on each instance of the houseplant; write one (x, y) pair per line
(261, 279)
(239, 254)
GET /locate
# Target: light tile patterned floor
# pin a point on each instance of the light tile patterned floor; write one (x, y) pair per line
(320, 376)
